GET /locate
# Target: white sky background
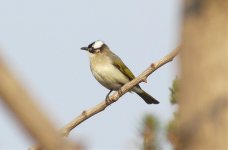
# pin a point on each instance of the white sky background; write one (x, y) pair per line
(41, 41)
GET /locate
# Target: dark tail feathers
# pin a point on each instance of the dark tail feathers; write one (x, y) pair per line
(147, 98)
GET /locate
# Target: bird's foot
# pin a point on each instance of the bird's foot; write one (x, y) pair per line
(120, 92)
(107, 100)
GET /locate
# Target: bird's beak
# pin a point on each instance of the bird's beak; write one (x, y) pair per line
(84, 48)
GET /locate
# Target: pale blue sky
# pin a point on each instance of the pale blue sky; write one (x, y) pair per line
(41, 41)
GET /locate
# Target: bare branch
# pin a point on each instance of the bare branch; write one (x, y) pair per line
(115, 96)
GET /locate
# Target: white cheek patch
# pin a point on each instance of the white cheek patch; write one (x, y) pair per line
(98, 44)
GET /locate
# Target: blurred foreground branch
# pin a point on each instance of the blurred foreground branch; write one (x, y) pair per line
(149, 132)
(115, 96)
(28, 113)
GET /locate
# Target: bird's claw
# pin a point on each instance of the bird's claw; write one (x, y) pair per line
(108, 101)
(120, 92)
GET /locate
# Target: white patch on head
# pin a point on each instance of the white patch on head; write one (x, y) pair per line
(98, 44)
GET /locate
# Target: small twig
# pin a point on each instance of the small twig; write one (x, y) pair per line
(114, 97)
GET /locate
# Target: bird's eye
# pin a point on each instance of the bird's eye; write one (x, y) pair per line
(91, 50)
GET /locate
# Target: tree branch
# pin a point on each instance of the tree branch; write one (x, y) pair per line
(28, 113)
(115, 96)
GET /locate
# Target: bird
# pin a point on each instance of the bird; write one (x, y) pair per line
(110, 71)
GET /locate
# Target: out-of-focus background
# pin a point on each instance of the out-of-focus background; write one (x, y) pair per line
(41, 42)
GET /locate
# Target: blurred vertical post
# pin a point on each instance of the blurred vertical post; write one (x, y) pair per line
(28, 113)
(204, 83)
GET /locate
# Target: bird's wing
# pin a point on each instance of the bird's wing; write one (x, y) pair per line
(118, 63)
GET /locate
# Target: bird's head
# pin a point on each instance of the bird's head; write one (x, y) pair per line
(95, 47)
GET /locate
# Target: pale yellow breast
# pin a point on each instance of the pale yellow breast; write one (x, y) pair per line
(107, 74)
